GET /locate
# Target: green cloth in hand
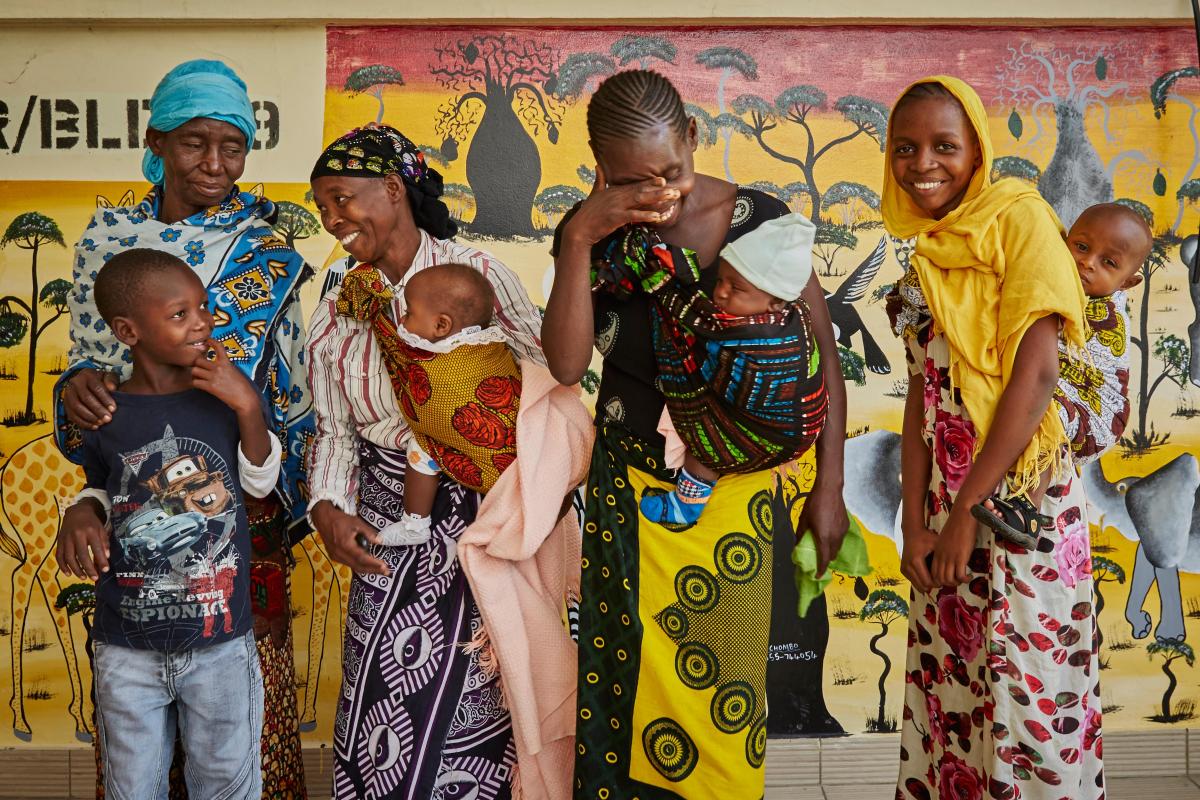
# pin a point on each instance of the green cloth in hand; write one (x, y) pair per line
(851, 559)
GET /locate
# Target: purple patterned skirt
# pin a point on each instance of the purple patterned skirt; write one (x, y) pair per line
(418, 718)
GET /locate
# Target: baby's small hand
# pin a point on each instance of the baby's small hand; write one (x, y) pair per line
(214, 373)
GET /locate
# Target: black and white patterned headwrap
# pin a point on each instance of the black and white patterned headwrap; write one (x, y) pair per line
(378, 151)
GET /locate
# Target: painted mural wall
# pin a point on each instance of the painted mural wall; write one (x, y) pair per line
(1087, 115)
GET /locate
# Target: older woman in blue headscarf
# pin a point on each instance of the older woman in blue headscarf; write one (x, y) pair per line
(201, 129)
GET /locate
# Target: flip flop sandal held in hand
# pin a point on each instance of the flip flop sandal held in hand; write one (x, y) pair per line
(1018, 521)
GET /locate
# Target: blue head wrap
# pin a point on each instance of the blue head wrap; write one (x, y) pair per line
(194, 89)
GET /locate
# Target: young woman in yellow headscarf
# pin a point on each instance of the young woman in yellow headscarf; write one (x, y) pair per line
(1002, 694)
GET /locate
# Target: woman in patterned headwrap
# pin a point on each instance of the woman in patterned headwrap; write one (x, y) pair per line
(418, 715)
(201, 128)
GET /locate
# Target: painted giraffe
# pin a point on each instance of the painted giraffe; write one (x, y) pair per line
(328, 578)
(36, 484)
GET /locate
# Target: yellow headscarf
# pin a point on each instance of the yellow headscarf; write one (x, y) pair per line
(989, 269)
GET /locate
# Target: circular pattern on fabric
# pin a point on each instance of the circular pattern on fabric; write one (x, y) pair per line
(756, 744)
(762, 516)
(674, 622)
(743, 209)
(385, 747)
(732, 706)
(669, 749)
(738, 557)
(697, 589)
(697, 665)
(412, 647)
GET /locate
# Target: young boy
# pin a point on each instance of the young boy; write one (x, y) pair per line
(751, 395)
(1109, 243)
(173, 630)
(460, 391)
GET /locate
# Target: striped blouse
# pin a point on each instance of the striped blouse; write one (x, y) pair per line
(352, 395)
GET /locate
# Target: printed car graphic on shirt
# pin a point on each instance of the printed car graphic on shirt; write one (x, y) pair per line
(185, 483)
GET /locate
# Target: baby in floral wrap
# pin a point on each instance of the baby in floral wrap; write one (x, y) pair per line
(460, 388)
(1109, 243)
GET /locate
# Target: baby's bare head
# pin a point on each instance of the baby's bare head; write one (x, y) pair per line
(1109, 243)
(443, 299)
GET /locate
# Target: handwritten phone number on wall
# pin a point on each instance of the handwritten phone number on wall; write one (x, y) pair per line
(59, 123)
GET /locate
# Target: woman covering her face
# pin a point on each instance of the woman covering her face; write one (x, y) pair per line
(674, 620)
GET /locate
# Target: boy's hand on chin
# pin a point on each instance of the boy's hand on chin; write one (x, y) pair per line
(214, 373)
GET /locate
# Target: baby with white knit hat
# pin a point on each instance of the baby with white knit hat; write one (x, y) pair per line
(762, 271)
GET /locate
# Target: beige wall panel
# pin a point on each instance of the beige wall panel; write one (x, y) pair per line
(71, 100)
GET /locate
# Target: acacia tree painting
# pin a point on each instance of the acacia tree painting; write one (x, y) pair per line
(1162, 91)
(1171, 651)
(1171, 351)
(728, 60)
(883, 607)
(504, 89)
(643, 50)
(1173, 355)
(371, 80)
(1069, 84)
(31, 231)
(1104, 570)
(794, 105)
(459, 199)
(1016, 167)
(579, 73)
(851, 207)
(294, 222)
(554, 201)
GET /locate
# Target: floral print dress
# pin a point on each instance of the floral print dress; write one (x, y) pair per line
(1002, 695)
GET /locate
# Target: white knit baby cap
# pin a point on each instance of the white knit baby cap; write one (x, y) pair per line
(776, 256)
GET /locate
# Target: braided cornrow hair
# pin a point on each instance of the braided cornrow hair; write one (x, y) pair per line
(630, 103)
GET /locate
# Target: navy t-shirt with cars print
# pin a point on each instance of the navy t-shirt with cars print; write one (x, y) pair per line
(179, 564)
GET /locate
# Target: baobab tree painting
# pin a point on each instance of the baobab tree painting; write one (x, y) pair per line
(504, 95)
(1067, 83)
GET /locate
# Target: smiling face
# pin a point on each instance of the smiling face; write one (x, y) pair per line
(656, 153)
(368, 216)
(202, 160)
(933, 152)
(1109, 244)
(738, 296)
(169, 323)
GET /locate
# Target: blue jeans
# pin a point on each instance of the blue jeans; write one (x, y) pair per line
(215, 696)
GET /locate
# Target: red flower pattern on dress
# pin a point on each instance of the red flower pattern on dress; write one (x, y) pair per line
(960, 624)
(958, 780)
(1073, 554)
(1001, 685)
(499, 393)
(933, 383)
(953, 447)
(455, 463)
(481, 426)
(501, 461)
(418, 384)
